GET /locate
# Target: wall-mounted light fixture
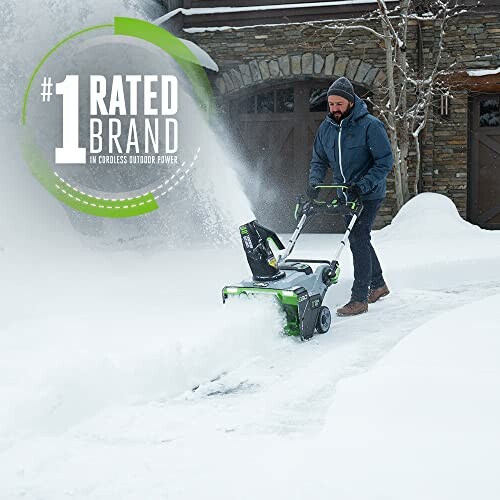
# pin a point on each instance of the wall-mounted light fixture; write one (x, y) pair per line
(445, 104)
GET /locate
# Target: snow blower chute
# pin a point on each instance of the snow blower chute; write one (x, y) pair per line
(299, 289)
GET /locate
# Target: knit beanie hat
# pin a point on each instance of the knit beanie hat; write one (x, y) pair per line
(342, 87)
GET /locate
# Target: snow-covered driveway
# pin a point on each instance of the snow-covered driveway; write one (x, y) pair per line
(147, 387)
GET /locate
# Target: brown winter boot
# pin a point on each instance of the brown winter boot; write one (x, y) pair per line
(378, 293)
(352, 308)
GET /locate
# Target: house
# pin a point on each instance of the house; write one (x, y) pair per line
(277, 58)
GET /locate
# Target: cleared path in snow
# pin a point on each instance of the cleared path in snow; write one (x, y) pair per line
(288, 388)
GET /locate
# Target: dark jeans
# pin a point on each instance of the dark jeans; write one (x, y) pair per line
(367, 270)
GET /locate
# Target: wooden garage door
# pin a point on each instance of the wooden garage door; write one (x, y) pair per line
(275, 129)
(484, 168)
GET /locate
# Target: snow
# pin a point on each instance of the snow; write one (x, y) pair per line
(483, 72)
(449, 248)
(247, 26)
(131, 379)
(432, 401)
(122, 374)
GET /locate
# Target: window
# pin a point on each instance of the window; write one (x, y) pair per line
(272, 101)
(489, 115)
(284, 101)
(318, 100)
(265, 102)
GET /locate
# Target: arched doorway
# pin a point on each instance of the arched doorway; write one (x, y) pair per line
(275, 128)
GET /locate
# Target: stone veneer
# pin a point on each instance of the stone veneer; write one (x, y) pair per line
(261, 55)
(298, 67)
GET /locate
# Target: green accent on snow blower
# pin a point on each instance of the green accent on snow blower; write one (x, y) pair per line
(335, 278)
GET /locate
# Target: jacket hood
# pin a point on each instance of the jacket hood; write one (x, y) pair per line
(360, 108)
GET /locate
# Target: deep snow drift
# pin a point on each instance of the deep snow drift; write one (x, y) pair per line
(423, 423)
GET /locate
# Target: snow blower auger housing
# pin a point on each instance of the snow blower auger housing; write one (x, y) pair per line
(299, 289)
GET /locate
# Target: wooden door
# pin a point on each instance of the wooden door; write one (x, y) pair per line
(275, 130)
(484, 166)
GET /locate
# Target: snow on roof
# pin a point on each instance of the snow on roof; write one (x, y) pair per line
(219, 10)
(246, 26)
(483, 72)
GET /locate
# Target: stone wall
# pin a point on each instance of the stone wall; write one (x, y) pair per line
(261, 55)
(297, 67)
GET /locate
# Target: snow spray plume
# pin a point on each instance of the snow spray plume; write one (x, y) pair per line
(205, 209)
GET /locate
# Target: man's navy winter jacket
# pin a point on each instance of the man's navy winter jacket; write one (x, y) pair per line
(358, 151)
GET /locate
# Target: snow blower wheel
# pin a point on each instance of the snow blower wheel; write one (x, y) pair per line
(324, 320)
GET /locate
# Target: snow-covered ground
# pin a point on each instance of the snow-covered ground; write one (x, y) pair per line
(123, 375)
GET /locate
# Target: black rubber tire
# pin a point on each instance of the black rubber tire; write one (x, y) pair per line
(324, 320)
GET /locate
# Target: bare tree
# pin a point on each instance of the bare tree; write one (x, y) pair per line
(411, 83)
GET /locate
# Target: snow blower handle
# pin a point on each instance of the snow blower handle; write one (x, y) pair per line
(341, 207)
(343, 188)
(334, 206)
(307, 208)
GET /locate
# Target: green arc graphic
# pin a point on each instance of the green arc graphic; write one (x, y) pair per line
(47, 55)
(41, 168)
(92, 205)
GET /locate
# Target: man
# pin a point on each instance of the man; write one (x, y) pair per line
(355, 145)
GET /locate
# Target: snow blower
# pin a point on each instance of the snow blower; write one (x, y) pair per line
(299, 290)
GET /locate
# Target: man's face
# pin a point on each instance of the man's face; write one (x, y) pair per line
(339, 107)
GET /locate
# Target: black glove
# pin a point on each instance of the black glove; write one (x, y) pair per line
(354, 192)
(312, 192)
